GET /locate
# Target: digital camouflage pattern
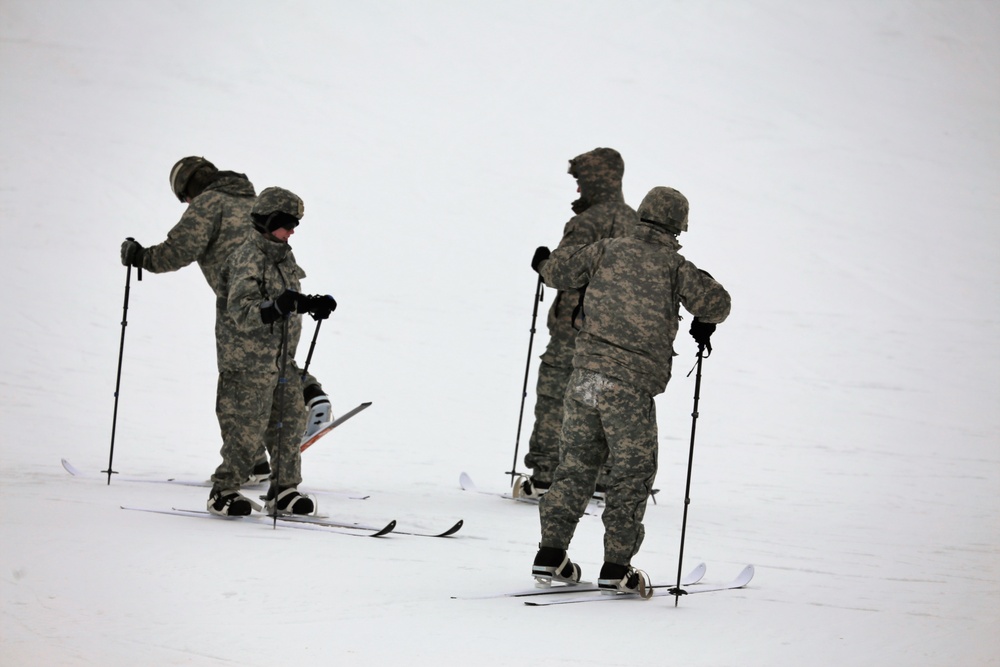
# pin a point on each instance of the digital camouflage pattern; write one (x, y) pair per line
(257, 273)
(635, 288)
(665, 207)
(215, 223)
(601, 213)
(213, 226)
(606, 422)
(184, 170)
(249, 395)
(273, 200)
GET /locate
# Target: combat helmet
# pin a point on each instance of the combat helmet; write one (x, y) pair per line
(665, 207)
(276, 208)
(182, 177)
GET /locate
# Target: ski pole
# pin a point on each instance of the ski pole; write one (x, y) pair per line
(121, 352)
(527, 367)
(677, 591)
(282, 381)
(312, 346)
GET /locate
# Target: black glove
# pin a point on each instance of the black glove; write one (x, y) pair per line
(541, 254)
(702, 333)
(132, 252)
(283, 306)
(319, 306)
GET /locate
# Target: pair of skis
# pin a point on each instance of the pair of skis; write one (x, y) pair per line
(739, 581)
(586, 591)
(307, 522)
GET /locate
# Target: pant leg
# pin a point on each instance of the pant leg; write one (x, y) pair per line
(583, 452)
(285, 425)
(546, 434)
(553, 374)
(243, 407)
(629, 420)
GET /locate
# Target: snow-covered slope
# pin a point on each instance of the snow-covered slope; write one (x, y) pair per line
(841, 160)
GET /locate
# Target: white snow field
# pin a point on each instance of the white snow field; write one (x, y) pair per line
(842, 160)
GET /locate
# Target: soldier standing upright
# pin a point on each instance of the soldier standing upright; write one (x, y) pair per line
(601, 213)
(635, 287)
(258, 378)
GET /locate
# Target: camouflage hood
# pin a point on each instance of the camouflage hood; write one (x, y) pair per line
(231, 183)
(599, 174)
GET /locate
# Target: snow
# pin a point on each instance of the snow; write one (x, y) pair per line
(842, 161)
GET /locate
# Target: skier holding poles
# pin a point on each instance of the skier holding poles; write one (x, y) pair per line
(257, 372)
(215, 223)
(600, 213)
(635, 287)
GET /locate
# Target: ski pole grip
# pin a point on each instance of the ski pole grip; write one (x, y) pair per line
(138, 269)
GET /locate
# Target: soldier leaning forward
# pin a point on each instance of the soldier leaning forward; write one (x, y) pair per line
(215, 223)
(635, 287)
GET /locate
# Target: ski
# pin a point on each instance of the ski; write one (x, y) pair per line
(741, 580)
(465, 481)
(324, 521)
(268, 520)
(205, 484)
(332, 425)
(692, 577)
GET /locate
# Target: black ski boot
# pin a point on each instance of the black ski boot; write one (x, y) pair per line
(625, 579)
(288, 501)
(229, 502)
(552, 564)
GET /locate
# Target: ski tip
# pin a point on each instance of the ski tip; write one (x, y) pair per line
(366, 404)
(744, 577)
(454, 529)
(466, 482)
(70, 468)
(389, 527)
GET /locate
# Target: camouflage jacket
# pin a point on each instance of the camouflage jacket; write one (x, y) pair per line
(635, 286)
(215, 223)
(258, 271)
(605, 215)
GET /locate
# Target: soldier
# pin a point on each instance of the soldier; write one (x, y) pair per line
(601, 212)
(216, 222)
(635, 286)
(258, 376)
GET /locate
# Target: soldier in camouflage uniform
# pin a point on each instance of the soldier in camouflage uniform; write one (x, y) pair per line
(601, 213)
(257, 341)
(216, 222)
(635, 287)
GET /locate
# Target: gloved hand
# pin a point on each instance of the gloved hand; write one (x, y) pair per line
(286, 304)
(132, 252)
(702, 333)
(319, 306)
(541, 254)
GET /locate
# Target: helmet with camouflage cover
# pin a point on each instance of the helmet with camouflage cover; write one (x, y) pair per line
(189, 177)
(276, 208)
(665, 207)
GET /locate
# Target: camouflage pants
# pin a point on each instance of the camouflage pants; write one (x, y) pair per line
(550, 392)
(249, 406)
(546, 434)
(604, 419)
(309, 383)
